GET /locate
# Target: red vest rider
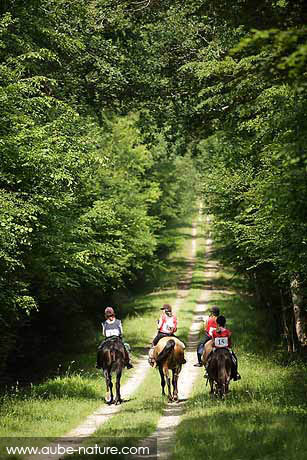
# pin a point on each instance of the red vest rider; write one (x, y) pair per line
(221, 338)
(209, 326)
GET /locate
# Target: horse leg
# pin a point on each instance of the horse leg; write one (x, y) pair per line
(118, 399)
(162, 380)
(109, 384)
(222, 390)
(211, 381)
(168, 380)
(175, 385)
(228, 380)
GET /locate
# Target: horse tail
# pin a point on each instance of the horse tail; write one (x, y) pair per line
(169, 347)
(110, 357)
(221, 369)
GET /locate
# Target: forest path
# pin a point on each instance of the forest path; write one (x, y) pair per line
(166, 428)
(74, 438)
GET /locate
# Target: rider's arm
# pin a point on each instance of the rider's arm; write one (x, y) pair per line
(103, 330)
(160, 322)
(175, 324)
(120, 329)
(229, 340)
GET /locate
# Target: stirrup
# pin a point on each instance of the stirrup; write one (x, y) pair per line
(152, 362)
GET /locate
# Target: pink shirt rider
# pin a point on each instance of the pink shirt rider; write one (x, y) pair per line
(167, 324)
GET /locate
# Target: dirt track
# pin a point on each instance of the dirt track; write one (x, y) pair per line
(166, 428)
(104, 412)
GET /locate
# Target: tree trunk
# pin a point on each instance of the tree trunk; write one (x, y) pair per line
(287, 323)
(298, 301)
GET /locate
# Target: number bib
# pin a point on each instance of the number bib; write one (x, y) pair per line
(112, 332)
(221, 342)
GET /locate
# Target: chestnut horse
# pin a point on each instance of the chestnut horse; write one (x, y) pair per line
(219, 371)
(169, 355)
(113, 359)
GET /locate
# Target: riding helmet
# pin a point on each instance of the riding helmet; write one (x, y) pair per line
(215, 311)
(167, 307)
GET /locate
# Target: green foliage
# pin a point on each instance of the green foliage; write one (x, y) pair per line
(84, 200)
(105, 105)
(253, 155)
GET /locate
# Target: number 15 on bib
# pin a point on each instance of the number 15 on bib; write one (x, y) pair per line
(221, 342)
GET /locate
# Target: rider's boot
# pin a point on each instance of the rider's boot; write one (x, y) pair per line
(129, 364)
(151, 359)
(199, 364)
(236, 375)
(98, 361)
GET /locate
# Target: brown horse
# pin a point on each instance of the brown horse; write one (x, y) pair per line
(219, 371)
(169, 355)
(113, 358)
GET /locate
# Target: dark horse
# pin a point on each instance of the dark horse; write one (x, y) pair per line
(169, 355)
(219, 371)
(112, 357)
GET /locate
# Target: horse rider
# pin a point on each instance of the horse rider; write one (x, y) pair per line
(112, 327)
(209, 325)
(221, 338)
(167, 326)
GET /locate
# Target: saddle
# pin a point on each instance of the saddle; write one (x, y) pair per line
(214, 350)
(114, 338)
